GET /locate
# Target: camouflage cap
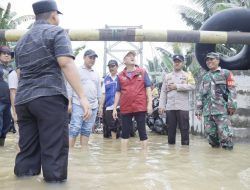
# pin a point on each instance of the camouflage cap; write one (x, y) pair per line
(212, 55)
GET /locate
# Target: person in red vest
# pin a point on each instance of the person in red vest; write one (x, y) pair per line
(134, 93)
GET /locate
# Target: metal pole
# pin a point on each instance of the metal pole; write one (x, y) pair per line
(141, 35)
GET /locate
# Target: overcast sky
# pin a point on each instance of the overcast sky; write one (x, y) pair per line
(95, 14)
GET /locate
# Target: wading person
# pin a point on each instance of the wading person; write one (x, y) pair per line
(9, 76)
(92, 85)
(134, 93)
(107, 100)
(216, 101)
(174, 98)
(42, 54)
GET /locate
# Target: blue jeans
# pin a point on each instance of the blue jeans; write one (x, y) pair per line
(78, 125)
(5, 119)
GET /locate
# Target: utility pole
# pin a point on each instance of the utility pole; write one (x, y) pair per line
(112, 49)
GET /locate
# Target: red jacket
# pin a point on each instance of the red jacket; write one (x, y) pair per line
(133, 91)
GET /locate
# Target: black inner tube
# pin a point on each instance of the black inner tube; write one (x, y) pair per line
(235, 19)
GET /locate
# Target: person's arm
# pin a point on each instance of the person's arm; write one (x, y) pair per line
(99, 91)
(190, 85)
(163, 96)
(72, 75)
(149, 100)
(199, 102)
(117, 99)
(102, 104)
(13, 83)
(70, 97)
(232, 94)
(147, 84)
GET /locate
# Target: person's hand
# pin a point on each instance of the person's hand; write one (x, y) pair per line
(230, 111)
(149, 109)
(114, 114)
(171, 86)
(86, 107)
(161, 111)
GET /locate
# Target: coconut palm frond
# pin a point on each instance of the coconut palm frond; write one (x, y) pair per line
(222, 6)
(6, 14)
(21, 19)
(78, 50)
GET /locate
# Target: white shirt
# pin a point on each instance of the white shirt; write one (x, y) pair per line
(13, 80)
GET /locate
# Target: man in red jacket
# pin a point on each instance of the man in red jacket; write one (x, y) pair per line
(134, 92)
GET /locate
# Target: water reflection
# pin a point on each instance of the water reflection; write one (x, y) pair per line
(104, 166)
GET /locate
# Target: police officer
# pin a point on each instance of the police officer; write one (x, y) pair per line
(174, 98)
(216, 101)
(42, 54)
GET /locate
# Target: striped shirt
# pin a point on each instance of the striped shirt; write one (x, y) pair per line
(36, 56)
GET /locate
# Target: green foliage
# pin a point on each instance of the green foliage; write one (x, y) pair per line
(77, 50)
(8, 20)
(196, 14)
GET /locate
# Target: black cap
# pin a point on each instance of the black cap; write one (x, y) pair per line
(6, 49)
(212, 55)
(45, 6)
(90, 52)
(178, 57)
(112, 62)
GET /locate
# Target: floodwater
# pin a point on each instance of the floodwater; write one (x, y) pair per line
(162, 167)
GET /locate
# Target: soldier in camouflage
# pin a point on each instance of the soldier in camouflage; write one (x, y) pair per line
(216, 101)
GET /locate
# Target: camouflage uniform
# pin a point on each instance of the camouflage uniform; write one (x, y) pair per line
(213, 100)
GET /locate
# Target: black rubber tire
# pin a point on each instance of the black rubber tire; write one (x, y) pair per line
(235, 19)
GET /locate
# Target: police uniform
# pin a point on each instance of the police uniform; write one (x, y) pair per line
(176, 102)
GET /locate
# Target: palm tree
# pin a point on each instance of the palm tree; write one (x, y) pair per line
(195, 17)
(8, 20)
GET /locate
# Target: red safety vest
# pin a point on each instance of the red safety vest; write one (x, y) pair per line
(133, 91)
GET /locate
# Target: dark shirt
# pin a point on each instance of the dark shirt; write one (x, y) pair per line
(36, 56)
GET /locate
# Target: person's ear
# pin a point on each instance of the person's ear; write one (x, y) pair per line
(54, 16)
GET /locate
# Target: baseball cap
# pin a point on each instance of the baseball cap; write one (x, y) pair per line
(212, 55)
(90, 52)
(129, 53)
(45, 6)
(112, 62)
(178, 57)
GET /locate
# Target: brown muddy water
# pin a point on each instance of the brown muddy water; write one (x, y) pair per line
(162, 167)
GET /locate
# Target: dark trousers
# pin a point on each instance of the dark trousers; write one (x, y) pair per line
(127, 124)
(180, 118)
(43, 130)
